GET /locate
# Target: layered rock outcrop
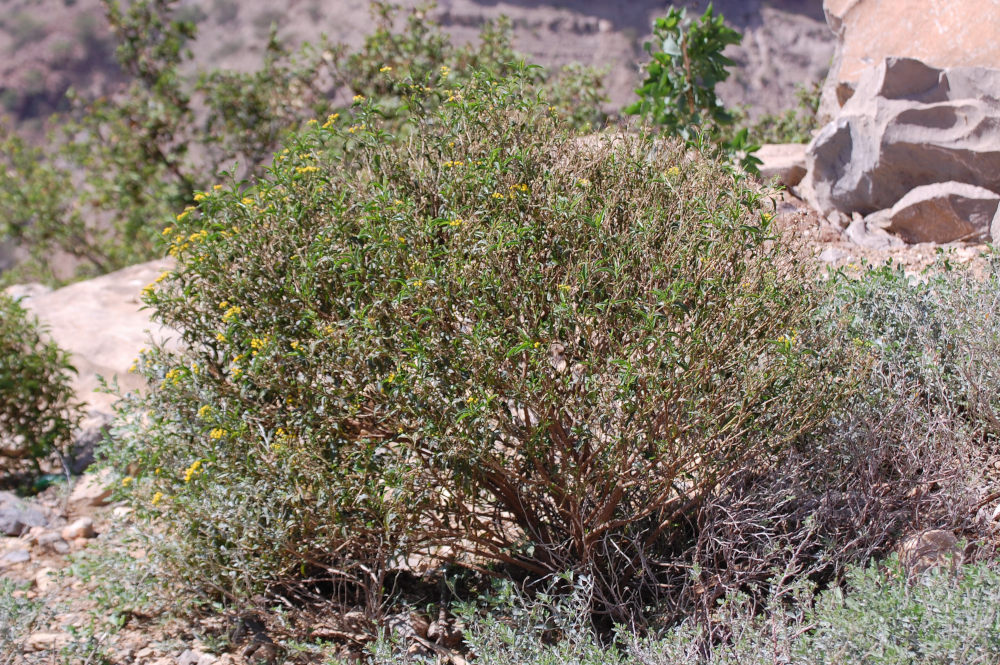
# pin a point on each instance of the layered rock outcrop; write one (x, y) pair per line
(942, 33)
(909, 126)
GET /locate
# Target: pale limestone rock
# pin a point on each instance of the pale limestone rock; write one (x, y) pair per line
(942, 33)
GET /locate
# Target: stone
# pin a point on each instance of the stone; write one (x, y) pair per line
(785, 162)
(81, 528)
(44, 579)
(46, 641)
(15, 556)
(832, 255)
(944, 212)
(859, 233)
(942, 33)
(907, 125)
(195, 657)
(91, 490)
(16, 517)
(91, 433)
(929, 549)
(103, 325)
(53, 542)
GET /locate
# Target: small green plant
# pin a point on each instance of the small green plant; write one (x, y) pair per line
(19, 615)
(38, 412)
(678, 93)
(687, 63)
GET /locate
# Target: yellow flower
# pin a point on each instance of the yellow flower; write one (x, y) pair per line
(520, 188)
(397, 202)
(246, 200)
(236, 372)
(359, 98)
(200, 196)
(204, 411)
(162, 277)
(219, 337)
(445, 70)
(157, 498)
(385, 69)
(232, 313)
(191, 470)
(354, 128)
(217, 433)
(195, 369)
(330, 119)
(537, 344)
(673, 171)
(257, 343)
(131, 370)
(453, 164)
(294, 345)
(402, 240)
(455, 222)
(167, 231)
(216, 187)
(583, 182)
(564, 287)
(306, 169)
(312, 121)
(497, 195)
(127, 480)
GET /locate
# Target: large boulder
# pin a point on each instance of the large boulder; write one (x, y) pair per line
(102, 323)
(907, 125)
(944, 212)
(942, 33)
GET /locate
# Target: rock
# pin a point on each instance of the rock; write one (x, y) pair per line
(16, 517)
(43, 579)
(91, 434)
(15, 556)
(90, 490)
(944, 212)
(195, 657)
(929, 549)
(942, 33)
(81, 528)
(102, 324)
(832, 255)
(46, 641)
(907, 125)
(784, 161)
(53, 542)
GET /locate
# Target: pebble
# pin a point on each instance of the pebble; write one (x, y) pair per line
(91, 490)
(46, 641)
(16, 556)
(44, 579)
(81, 528)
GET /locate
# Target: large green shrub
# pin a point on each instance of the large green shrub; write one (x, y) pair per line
(38, 410)
(479, 338)
(116, 168)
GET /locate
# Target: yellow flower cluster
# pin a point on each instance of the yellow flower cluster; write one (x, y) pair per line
(198, 236)
(359, 98)
(217, 433)
(330, 119)
(456, 222)
(453, 164)
(445, 70)
(306, 169)
(673, 171)
(173, 376)
(127, 480)
(385, 69)
(258, 343)
(232, 313)
(354, 128)
(157, 498)
(190, 472)
(200, 196)
(498, 195)
(204, 411)
(582, 182)
(219, 337)
(520, 188)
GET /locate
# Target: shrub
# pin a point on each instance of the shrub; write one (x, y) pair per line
(678, 93)
(115, 169)
(38, 411)
(475, 335)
